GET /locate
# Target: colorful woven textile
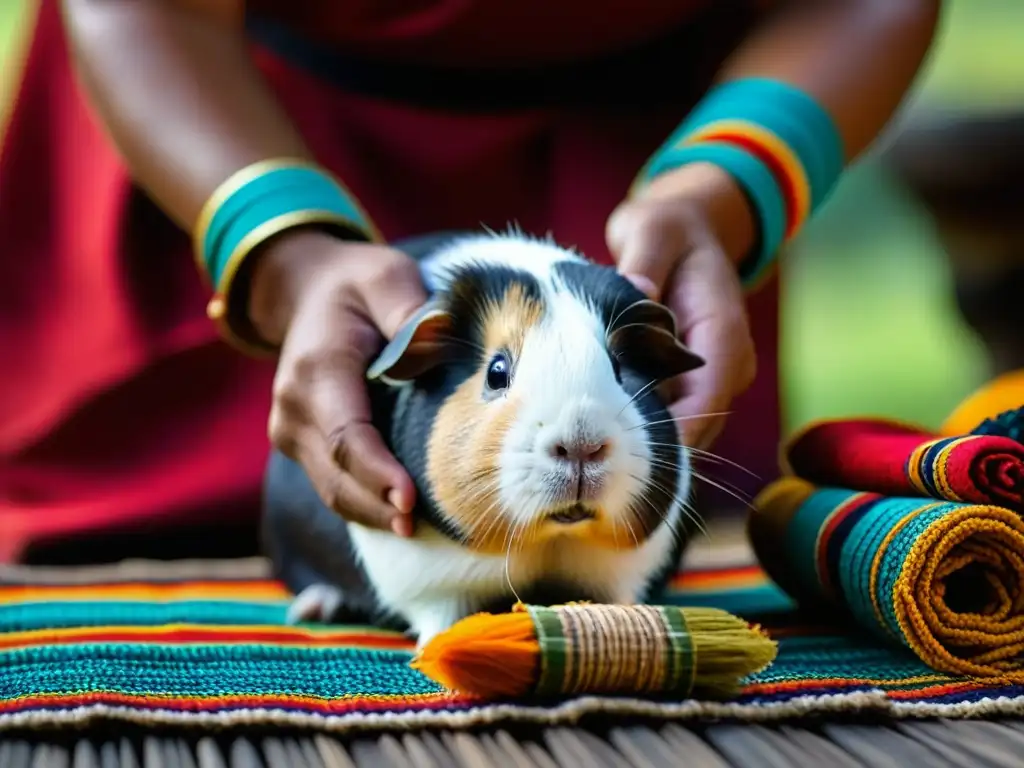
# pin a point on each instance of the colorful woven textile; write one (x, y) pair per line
(209, 648)
(900, 460)
(943, 578)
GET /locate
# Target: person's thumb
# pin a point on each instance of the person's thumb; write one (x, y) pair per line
(394, 294)
(641, 249)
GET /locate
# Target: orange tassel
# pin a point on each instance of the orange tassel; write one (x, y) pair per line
(496, 655)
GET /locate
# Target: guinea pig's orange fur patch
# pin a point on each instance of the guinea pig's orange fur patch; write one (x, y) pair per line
(464, 452)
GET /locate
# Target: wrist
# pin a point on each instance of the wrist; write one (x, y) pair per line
(719, 199)
(282, 271)
(779, 146)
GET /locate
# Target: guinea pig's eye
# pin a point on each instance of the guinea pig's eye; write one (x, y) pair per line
(498, 372)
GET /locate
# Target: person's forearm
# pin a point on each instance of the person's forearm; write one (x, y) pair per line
(857, 58)
(173, 83)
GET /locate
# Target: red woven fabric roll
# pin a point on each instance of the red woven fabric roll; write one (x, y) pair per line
(893, 459)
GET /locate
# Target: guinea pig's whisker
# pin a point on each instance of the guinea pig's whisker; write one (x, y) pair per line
(678, 419)
(495, 504)
(690, 513)
(735, 493)
(700, 453)
(479, 498)
(668, 463)
(508, 559)
(693, 515)
(492, 519)
(684, 507)
(728, 486)
(616, 313)
(662, 465)
(719, 461)
(639, 393)
(629, 528)
(631, 512)
(660, 462)
(665, 465)
(615, 532)
(652, 483)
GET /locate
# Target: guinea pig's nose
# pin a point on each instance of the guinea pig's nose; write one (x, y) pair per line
(580, 450)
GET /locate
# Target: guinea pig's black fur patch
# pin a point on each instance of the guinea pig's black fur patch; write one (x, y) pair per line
(602, 286)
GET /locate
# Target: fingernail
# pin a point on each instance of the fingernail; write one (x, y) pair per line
(644, 284)
(395, 500)
(402, 526)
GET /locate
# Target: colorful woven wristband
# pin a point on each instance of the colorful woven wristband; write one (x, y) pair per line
(756, 180)
(253, 205)
(783, 130)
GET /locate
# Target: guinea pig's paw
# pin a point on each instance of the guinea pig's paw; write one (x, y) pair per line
(317, 602)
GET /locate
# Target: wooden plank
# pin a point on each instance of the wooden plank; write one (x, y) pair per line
(85, 755)
(516, 752)
(245, 755)
(208, 754)
(20, 755)
(419, 754)
(972, 751)
(468, 750)
(825, 751)
(442, 756)
(332, 753)
(643, 747)
(884, 748)
(499, 758)
(698, 752)
(745, 748)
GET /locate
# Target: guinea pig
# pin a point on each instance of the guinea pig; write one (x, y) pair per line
(523, 400)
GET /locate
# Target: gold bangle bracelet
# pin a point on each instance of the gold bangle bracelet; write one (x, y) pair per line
(244, 176)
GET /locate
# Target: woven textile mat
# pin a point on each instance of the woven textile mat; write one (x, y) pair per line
(204, 644)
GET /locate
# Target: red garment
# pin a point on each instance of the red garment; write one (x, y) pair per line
(120, 408)
(881, 456)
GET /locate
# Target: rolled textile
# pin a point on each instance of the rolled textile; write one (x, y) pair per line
(945, 579)
(897, 459)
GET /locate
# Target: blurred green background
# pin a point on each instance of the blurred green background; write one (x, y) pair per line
(869, 323)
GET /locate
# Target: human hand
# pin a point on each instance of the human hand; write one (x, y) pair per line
(327, 303)
(679, 241)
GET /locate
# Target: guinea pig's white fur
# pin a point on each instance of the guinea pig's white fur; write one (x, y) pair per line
(564, 385)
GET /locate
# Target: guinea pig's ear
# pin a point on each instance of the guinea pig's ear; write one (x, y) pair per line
(645, 337)
(418, 346)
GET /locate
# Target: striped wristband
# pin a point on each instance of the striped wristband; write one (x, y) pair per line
(256, 203)
(780, 146)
